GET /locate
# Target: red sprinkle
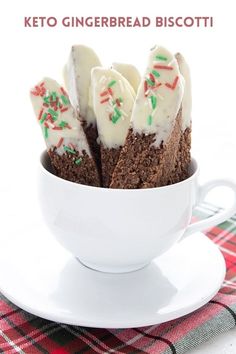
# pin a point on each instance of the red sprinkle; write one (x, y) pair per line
(60, 142)
(34, 93)
(46, 124)
(104, 93)
(152, 78)
(39, 91)
(63, 91)
(145, 88)
(157, 85)
(43, 91)
(110, 91)
(105, 100)
(64, 109)
(40, 114)
(118, 102)
(165, 67)
(172, 86)
(49, 117)
(54, 103)
(42, 83)
(57, 128)
(72, 146)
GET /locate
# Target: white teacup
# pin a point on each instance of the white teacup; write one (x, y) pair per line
(118, 230)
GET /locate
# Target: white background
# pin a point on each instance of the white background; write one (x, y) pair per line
(29, 54)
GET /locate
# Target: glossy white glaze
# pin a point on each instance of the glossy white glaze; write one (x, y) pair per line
(130, 72)
(187, 97)
(57, 117)
(159, 96)
(77, 75)
(113, 99)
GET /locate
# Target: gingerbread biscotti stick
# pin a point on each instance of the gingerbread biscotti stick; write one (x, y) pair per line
(184, 155)
(149, 155)
(113, 99)
(77, 75)
(66, 142)
(130, 72)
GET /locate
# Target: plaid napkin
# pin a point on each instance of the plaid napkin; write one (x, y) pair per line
(21, 332)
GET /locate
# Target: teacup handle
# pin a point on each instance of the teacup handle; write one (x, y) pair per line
(217, 218)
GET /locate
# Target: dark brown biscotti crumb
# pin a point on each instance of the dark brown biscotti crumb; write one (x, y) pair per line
(142, 165)
(109, 159)
(181, 171)
(75, 167)
(92, 136)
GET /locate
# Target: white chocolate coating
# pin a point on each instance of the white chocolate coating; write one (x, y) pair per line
(130, 72)
(159, 96)
(113, 99)
(57, 117)
(187, 98)
(77, 76)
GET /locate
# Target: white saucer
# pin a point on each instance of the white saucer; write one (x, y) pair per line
(39, 276)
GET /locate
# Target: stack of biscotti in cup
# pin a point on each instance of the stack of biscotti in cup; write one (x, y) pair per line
(113, 129)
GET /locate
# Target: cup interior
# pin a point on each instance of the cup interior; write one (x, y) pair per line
(46, 163)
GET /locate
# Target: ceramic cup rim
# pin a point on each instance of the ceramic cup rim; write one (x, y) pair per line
(42, 167)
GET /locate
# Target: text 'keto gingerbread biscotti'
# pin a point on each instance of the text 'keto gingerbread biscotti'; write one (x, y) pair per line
(66, 142)
(150, 155)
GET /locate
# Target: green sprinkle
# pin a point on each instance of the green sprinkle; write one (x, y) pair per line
(54, 96)
(150, 82)
(118, 113)
(156, 73)
(161, 57)
(120, 99)
(153, 101)
(46, 132)
(43, 118)
(78, 161)
(53, 113)
(149, 120)
(115, 118)
(63, 124)
(46, 99)
(66, 148)
(111, 83)
(64, 99)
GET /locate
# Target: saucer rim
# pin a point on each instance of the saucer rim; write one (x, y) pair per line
(110, 324)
